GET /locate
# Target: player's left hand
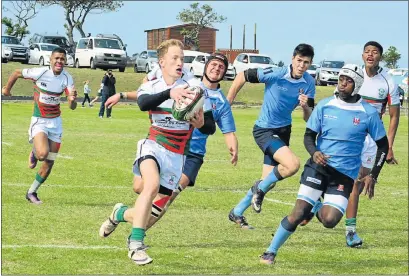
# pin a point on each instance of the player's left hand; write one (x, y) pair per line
(197, 121)
(390, 158)
(303, 99)
(369, 186)
(234, 156)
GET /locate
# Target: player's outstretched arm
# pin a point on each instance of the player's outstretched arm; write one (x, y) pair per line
(233, 146)
(394, 113)
(235, 87)
(6, 90)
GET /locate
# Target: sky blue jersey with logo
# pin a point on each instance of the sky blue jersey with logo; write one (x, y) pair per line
(281, 95)
(216, 103)
(342, 128)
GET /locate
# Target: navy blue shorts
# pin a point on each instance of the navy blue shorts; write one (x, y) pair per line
(192, 166)
(267, 136)
(326, 179)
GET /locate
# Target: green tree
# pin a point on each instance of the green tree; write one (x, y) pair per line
(76, 11)
(280, 63)
(391, 57)
(23, 11)
(200, 17)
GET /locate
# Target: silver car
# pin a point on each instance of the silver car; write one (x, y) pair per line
(145, 61)
(13, 49)
(328, 72)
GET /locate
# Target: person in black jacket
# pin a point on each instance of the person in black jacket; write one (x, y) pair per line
(107, 90)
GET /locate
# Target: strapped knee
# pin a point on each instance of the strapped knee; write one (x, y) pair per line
(52, 156)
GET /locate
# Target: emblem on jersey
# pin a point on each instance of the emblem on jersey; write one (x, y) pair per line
(356, 121)
(301, 91)
(381, 93)
(172, 179)
(214, 106)
(340, 188)
(43, 84)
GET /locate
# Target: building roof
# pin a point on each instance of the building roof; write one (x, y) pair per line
(179, 25)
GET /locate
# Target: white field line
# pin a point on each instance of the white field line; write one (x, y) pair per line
(61, 246)
(279, 201)
(64, 156)
(7, 144)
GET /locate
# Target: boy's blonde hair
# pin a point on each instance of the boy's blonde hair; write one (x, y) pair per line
(86, 81)
(164, 46)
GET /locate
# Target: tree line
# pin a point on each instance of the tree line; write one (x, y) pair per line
(76, 12)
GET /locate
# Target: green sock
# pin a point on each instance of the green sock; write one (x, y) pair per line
(119, 216)
(350, 225)
(36, 184)
(137, 234)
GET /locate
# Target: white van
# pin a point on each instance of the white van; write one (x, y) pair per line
(100, 52)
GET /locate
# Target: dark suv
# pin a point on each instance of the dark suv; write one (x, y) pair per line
(59, 40)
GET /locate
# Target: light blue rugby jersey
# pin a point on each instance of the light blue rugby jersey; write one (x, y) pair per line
(342, 128)
(281, 95)
(216, 103)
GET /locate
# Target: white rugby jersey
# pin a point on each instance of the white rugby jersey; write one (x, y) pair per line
(165, 130)
(48, 89)
(379, 90)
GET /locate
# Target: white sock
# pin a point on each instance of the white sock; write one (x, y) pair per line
(34, 187)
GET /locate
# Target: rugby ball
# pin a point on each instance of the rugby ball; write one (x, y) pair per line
(184, 111)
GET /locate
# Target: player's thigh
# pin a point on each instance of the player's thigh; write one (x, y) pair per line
(313, 183)
(337, 192)
(286, 157)
(191, 169)
(41, 145)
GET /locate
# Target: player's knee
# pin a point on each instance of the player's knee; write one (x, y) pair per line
(292, 167)
(329, 221)
(298, 214)
(41, 155)
(150, 189)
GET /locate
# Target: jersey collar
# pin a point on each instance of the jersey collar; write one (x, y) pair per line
(288, 77)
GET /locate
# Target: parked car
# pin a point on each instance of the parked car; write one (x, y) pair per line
(198, 64)
(56, 39)
(230, 74)
(328, 72)
(246, 61)
(40, 53)
(398, 71)
(100, 52)
(190, 57)
(13, 49)
(312, 70)
(145, 61)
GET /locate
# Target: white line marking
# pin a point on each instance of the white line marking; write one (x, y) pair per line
(62, 246)
(279, 201)
(64, 156)
(7, 144)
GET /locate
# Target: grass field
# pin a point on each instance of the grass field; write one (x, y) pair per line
(93, 172)
(130, 81)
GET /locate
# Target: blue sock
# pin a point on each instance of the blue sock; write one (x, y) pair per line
(243, 204)
(281, 236)
(273, 177)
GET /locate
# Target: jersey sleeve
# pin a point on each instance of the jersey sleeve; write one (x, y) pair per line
(226, 121)
(310, 90)
(69, 85)
(315, 121)
(393, 95)
(145, 89)
(154, 73)
(375, 127)
(267, 75)
(33, 73)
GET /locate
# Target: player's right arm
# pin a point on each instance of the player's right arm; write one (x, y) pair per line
(314, 124)
(255, 75)
(11, 81)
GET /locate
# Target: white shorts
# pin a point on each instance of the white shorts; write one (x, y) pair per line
(170, 163)
(52, 127)
(368, 153)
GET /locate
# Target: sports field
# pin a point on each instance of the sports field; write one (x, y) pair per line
(93, 172)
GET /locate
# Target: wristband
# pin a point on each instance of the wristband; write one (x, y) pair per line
(123, 95)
